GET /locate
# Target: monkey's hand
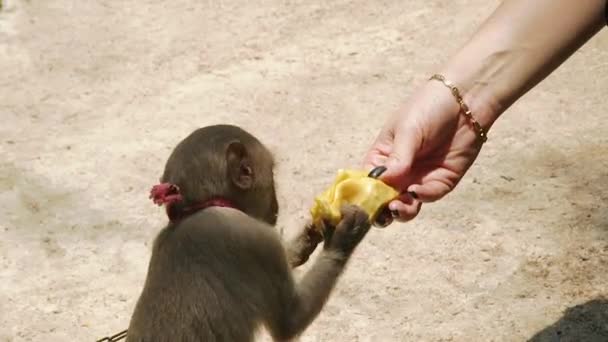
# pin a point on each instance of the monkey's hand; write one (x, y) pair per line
(301, 247)
(353, 226)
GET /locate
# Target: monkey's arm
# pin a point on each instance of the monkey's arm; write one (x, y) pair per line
(299, 248)
(265, 274)
(309, 295)
(302, 302)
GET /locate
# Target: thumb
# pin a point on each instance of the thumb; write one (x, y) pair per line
(399, 163)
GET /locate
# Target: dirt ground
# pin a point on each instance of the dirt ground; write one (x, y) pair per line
(94, 94)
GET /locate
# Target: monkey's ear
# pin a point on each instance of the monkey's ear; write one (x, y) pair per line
(240, 166)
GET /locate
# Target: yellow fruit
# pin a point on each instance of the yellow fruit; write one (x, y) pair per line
(351, 187)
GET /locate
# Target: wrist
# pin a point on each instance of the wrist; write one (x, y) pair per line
(336, 254)
(484, 106)
(477, 93)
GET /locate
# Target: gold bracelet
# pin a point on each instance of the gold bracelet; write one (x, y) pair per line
(463, 106)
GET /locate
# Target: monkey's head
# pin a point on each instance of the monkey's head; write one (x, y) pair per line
(224, 162)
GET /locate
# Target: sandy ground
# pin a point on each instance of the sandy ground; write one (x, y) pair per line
(94, 94)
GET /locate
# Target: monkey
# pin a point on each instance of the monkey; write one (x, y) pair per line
(219, 270)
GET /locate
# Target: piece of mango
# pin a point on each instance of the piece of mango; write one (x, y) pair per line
(351, 187)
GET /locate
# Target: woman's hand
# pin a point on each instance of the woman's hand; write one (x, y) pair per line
(427, 147)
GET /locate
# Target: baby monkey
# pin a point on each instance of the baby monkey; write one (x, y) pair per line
(218, 270)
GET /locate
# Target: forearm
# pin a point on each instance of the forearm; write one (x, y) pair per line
(520, 44)
(314, 290)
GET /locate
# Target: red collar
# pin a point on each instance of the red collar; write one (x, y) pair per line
(168, 194)
(176, 215)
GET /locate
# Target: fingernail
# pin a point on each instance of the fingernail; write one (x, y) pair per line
(392, 207)
(377, 171)
(413, 194)
(383, 219)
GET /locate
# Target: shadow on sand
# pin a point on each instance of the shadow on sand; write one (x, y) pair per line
(587, 322)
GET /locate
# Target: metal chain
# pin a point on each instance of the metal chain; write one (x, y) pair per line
(117, 337)
(463, 106)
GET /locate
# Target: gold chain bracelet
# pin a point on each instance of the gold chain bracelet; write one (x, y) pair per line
(463, 106)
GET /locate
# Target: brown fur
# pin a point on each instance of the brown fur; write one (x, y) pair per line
(220, 273)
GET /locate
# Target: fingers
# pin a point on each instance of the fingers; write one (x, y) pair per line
(360, 230)
(378, 153)
(355, 223)
(350, 215)
(384, 218)
(374, 158)
(328, 234)
(408, 205)
(430, 191)
(405, 208)
(405, 146)
(315, 236)
(354, 218)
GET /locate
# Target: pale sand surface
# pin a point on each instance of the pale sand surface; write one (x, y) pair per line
(94, 94)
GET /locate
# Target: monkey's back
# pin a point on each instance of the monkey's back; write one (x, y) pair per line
(203, 281)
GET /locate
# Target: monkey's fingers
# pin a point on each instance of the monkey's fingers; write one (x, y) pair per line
(352, 214)
(351, 229)
(313, 233)
(304, 245)
(328, 234)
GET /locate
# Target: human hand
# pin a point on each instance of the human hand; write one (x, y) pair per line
(427, 147)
